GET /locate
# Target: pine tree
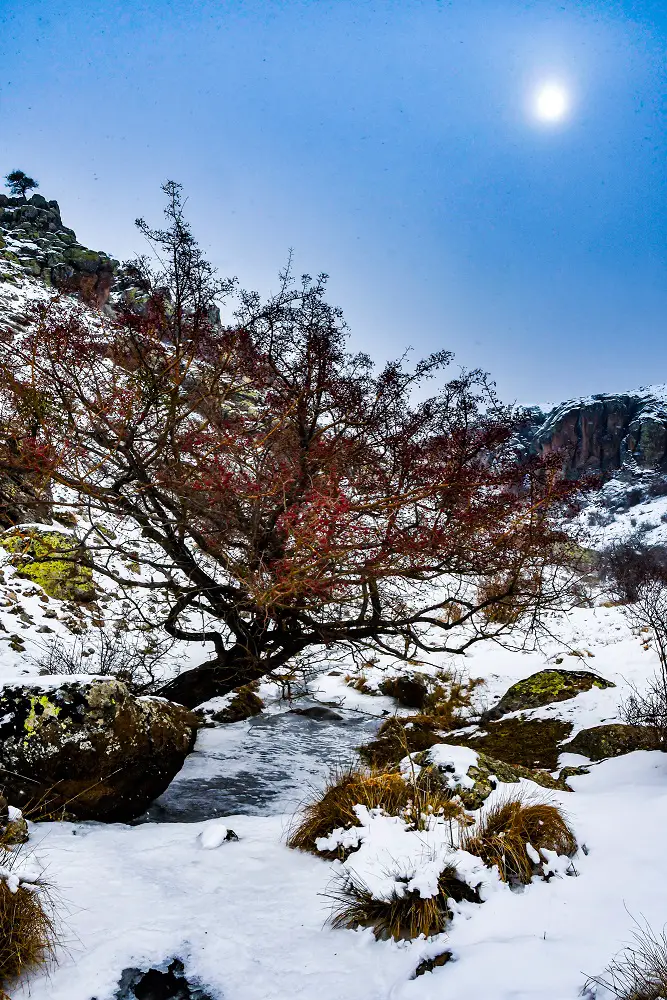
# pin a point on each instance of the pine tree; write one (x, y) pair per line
(19, 183)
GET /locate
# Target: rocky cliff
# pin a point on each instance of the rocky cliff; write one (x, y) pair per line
(34, 242)
(605, 434)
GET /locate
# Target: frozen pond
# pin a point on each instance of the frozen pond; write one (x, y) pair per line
(264, 766)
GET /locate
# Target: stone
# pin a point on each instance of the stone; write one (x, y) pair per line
(544, 688)
(318, 712)
(88, 749)
(159, 984)
(56, 561)
(612, 740)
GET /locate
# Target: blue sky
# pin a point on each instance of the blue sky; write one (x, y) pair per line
(391, 144)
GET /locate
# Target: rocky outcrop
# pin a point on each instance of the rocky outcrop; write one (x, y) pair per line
(88, 749)
(34, 242)
(605, 433)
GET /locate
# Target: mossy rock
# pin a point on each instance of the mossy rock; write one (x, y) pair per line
(397, 737)
(89, 749)
(520, 742)
(485, 774)
(612, 740)
(544, 688)
(57, 562)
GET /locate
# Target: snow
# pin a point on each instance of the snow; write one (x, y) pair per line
(250, 920)
(213, 835)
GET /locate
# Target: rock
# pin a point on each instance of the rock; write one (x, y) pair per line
(429, 964)
(544, 688)
(158, 984)
(318, 712)
(612, 740)
(409, 690)
(603, 433)
(473, 776)
(523, 742)
(89, 749)
(56, 561)
(34, 241)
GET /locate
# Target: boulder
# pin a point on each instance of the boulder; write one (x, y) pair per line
(612, 740)
(544, 688)
(523, 742)
(56, 561)
(88, 749)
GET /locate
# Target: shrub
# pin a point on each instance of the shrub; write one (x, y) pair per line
(27, 923)
(375, 789)
(245, 703)
(134, 659)
(639, 972)
(406, 914)
(507, 831)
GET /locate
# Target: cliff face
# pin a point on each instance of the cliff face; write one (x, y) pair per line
(34, 242)
(607, 433)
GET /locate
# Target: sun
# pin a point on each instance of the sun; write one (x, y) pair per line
(551, 102)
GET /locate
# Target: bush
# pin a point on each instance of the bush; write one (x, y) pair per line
(375, 789)
(405, 915)
(131, 658)
(27, 923)
(630, 564)
(511, 831)
(639, 972)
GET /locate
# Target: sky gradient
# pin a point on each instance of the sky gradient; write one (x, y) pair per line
(389, 144)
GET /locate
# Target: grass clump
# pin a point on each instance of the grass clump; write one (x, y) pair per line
(375, 789)
(405, 914)
(639, 972)
(28, 932)
(510, 832)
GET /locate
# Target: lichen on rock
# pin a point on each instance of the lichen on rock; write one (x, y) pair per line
(56, 561)
(88, 748)
(544, 688)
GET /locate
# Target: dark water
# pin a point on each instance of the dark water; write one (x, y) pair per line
(264, 766)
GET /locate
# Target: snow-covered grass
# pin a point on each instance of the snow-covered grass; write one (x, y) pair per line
(249, 917)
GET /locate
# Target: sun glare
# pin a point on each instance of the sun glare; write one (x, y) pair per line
(551, 102)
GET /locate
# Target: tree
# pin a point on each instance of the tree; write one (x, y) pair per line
(19, 183)
(281, 497)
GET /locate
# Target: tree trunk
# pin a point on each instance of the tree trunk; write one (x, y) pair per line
(209, 680)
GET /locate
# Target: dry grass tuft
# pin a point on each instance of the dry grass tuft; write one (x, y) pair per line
(405, 915)
(639, 972)
(504, 831)
(375, 789)
(28, 933)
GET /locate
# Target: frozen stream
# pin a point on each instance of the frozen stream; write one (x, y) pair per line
(263, 766)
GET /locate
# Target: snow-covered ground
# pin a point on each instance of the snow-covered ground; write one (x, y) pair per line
(249, 917)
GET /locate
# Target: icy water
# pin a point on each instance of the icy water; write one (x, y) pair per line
(266, 765)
